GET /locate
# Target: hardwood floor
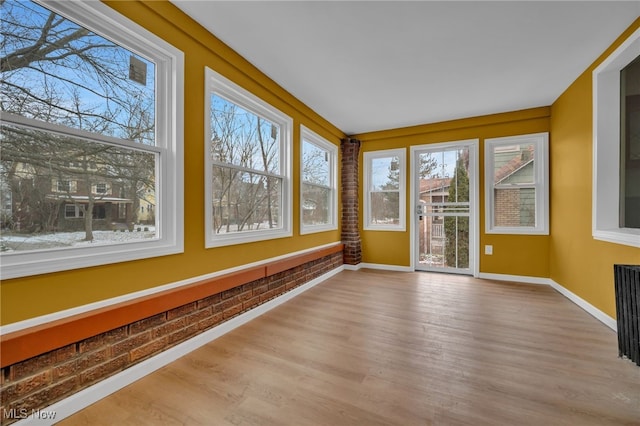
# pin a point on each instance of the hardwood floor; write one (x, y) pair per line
(390, 348)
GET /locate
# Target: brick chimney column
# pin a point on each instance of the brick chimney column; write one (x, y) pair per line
(350, 236)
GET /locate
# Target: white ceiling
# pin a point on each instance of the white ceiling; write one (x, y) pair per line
(373, 65)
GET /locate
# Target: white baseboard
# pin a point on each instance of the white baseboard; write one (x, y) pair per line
(588, 307)
(595, 312)
(106, 387)
(380, 266)
(515, 278)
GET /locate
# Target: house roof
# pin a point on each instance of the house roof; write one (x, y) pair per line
(513, 165)
(430, 185)
(374, 65)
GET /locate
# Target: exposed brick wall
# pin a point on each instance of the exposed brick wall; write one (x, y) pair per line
(350, 218)
(40, 381)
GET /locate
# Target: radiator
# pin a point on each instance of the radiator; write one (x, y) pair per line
(627, 282)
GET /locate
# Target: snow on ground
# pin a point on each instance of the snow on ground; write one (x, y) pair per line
(22, 242)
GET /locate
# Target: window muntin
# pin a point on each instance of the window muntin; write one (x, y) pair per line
(384, 180)
(247, 166)
(79, 102)
(318, 196)
(516, 173)
(610, 174)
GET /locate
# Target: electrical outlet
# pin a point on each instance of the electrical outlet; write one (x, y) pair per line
(488, 249)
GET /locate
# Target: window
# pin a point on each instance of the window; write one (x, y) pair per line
(247, 166)
(318, 195)
(100, 188)
(72, 211)
(516, 182)
(88, 97)
(616, 146)
(384, 182)
(66, 186)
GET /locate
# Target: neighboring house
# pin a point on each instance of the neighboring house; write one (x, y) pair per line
(433, 190)
(41, 201)
(514, 206)
(147, 206)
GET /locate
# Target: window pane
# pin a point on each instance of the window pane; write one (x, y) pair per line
(56, 71)
(630, 149)
(245, 201)
(242, 138)
(515, 207)
(315, 205)
(513, 164)
(385, 173)
(385, 208)
(50, 179)
(315, 164)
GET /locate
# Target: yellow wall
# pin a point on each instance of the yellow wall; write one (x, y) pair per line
(29, 297)
(578, 262)
(512, 254)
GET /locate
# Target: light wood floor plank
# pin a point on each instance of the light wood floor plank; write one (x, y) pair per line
(388, 348)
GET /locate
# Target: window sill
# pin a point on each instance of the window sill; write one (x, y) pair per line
(623, 236)
(517, 231)
(313, 229)
(221, 240)
(385, 228)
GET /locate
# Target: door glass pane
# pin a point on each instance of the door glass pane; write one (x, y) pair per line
(444, 197)
(456, 247)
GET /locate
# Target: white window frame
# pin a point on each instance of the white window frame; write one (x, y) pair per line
(368, 158)
(217, 84)
(606, 146)
(307, 135)
(169, 62)
(540, 184)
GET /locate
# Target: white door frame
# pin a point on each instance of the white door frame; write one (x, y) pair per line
(474, 201)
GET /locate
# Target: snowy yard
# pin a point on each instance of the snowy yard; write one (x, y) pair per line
(22, 242)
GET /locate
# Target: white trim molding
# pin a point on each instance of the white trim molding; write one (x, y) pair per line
(522, 279)
(307, 136)
(371, 187)
(226, 90)
(540, 183)
(606, 146)
(382, 267)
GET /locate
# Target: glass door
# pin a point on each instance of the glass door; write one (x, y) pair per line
(444, 226)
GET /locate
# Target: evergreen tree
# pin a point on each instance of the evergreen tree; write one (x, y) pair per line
(456, 229)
